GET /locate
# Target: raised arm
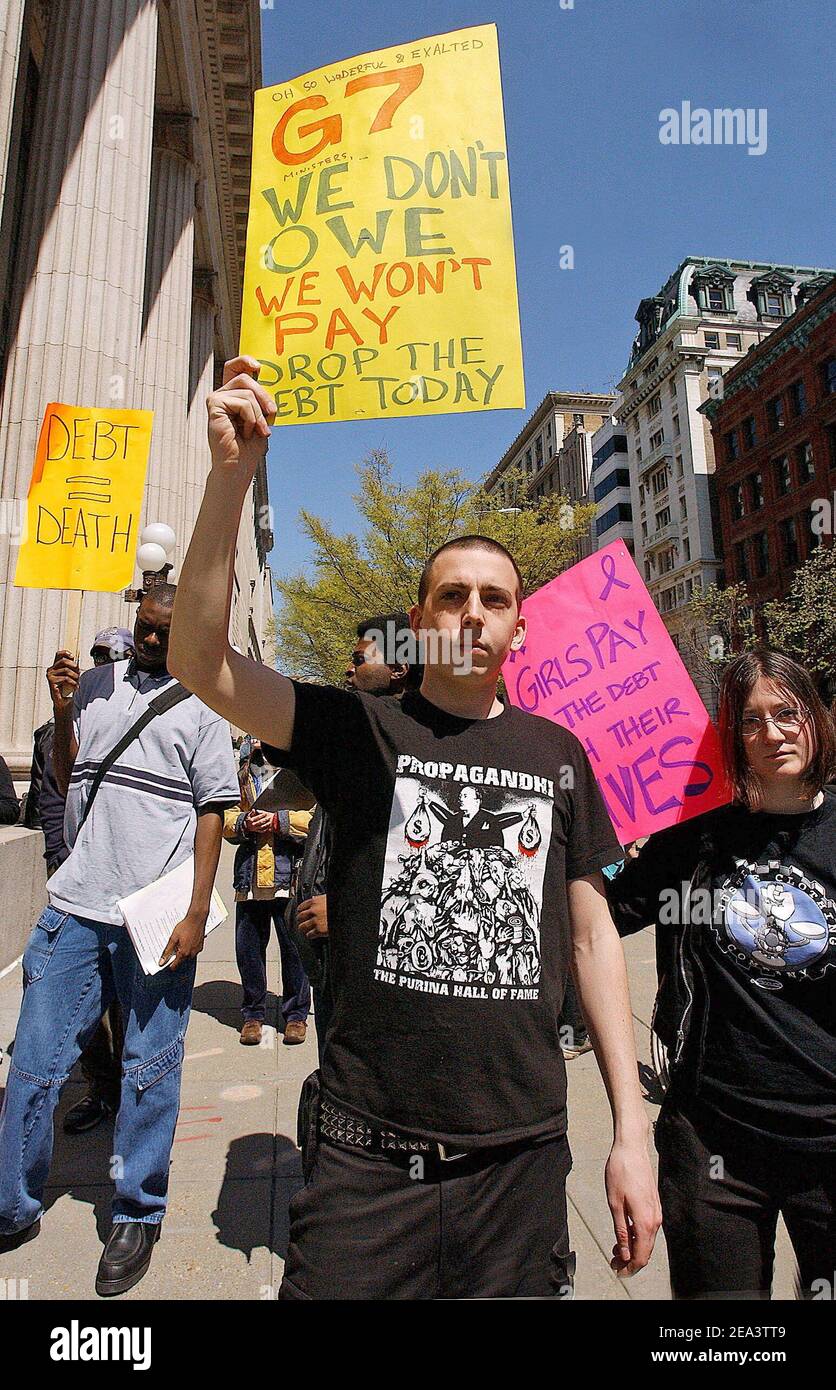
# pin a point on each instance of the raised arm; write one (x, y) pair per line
(250, 695)
(63, 676)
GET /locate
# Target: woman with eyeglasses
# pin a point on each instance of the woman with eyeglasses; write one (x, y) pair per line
(744, 904)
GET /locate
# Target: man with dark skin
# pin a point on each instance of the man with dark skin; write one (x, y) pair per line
(367, 668)
(160, 800)
(153, 620)
(101, 1060)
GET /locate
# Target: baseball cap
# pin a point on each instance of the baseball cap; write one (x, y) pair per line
(118, 641)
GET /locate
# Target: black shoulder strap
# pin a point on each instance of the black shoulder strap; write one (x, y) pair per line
(166, 700)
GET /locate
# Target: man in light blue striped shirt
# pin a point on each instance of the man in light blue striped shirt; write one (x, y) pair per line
(159, 802)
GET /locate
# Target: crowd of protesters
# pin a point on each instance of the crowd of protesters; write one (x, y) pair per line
(452, 977)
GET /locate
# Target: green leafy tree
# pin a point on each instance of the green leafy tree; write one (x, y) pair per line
(804, 623)
(269, 645)
(378, 571)
(718, 623)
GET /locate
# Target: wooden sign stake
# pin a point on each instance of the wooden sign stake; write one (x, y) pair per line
(72, 630)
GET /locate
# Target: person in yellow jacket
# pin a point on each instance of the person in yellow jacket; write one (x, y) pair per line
(269, 845)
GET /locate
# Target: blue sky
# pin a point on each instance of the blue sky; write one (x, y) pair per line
(583, 88)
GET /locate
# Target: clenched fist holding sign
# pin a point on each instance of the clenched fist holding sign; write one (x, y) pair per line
(199, 653)
(240, 415)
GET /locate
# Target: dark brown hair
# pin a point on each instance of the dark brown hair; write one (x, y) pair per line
(469, 543)
(739, 679)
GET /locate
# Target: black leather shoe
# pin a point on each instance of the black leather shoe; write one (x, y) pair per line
(126, 1256)
(88, 1113)
(18, 1238)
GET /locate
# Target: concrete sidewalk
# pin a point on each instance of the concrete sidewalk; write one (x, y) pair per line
(235, 1164)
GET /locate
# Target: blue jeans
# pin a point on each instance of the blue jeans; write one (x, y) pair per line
(72, 970)
(252, 937)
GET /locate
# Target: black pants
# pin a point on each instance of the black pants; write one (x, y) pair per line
(721, 1197)
(495, 1226)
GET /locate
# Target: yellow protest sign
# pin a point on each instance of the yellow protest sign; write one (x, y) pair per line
(84, 500)
(379, 276)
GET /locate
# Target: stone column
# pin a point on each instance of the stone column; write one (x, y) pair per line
(164, 356)
(202, 374)
(11, 37)
(78, 300)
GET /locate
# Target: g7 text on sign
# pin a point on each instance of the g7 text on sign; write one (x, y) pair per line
(380, 274)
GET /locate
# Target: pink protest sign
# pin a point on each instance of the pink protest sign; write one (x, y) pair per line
(599, 660)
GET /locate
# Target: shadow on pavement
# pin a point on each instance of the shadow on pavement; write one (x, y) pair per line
(238, 1220)
(81, 1169)
(221, 1000)
(80, 1165)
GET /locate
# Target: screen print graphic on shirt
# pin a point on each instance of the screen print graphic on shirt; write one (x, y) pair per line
(463, 879)
(776, 923)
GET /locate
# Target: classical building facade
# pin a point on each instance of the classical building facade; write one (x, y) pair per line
(552, 452)
(609, 486)
(774, 431)
(705, 318)
(125, 136)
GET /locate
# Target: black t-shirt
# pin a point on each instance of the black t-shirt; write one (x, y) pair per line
(452, 842)
(770, 969)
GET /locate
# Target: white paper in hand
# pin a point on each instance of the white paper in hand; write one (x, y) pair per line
(152, 913)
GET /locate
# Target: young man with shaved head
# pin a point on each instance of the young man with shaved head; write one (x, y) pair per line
(439, 1157)
(128, 821)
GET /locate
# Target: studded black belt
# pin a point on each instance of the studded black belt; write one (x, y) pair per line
(339, 1126)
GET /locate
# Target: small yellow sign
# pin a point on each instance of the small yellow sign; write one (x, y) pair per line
(380, 278)
(85, 497)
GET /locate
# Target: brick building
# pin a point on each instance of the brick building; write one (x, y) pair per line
(774, 433)
(708, 317)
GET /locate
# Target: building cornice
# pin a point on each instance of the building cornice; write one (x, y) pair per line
(688, 355)
(555, 403)
(683, 276)
(225, 36)
(793, 334)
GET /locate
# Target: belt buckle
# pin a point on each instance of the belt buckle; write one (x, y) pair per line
(449, 1157)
